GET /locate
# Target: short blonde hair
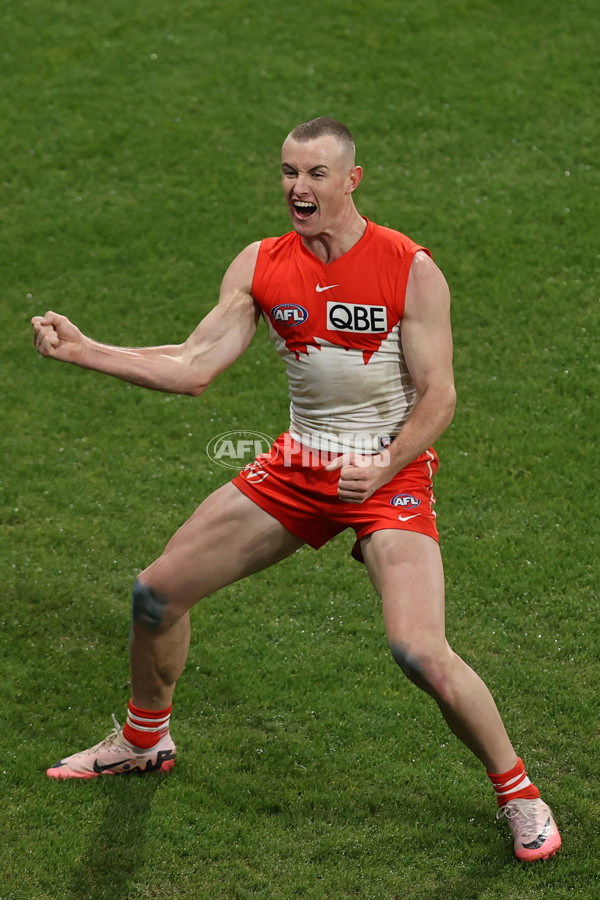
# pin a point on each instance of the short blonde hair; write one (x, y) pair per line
(321, 126)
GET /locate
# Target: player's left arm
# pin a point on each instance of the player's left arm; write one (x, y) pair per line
(427, 345)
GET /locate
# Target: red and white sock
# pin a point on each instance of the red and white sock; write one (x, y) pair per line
(513, 785)
(144, 727)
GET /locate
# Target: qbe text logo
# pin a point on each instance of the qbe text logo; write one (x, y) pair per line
(355, 317)
(235, 449)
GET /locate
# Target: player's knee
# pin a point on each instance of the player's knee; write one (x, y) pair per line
(408, 661)
(420, 667)
(148, 607)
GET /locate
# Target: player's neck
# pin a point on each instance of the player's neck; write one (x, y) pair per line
(330, 245)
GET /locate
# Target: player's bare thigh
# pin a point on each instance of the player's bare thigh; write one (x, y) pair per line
(406, 570)
(227, 538)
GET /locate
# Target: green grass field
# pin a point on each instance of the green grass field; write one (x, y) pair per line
(139, 154)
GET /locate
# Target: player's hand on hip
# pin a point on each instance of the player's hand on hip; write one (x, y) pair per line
(56, 336)
(360, 476)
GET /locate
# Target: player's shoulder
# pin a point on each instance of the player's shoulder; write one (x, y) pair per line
(423, 264)
(249, 253)
(272, 246)
(393, 241)
(240, 272)
(426, 284)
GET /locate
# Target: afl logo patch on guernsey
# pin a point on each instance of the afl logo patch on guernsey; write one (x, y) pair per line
(289, 314)
(355, 317)
(405, 501)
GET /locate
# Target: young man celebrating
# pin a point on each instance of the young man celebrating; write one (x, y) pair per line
(360, 315)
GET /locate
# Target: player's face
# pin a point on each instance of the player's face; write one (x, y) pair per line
(318, 178)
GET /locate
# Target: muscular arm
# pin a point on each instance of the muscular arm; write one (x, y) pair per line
(427, 344)
(186, 368)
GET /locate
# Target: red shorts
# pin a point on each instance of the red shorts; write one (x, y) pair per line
(295, 489)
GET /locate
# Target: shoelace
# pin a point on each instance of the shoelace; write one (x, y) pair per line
(111, 736)
(522, 815)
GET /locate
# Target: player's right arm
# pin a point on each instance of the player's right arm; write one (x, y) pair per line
(187, 368)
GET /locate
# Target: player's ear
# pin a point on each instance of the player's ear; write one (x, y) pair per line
(354, 178)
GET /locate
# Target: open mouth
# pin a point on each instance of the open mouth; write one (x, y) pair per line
(304, 209)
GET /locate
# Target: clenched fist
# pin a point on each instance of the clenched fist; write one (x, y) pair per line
(56, 336)
(360, 476)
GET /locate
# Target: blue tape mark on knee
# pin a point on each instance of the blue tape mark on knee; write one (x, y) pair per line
(148, 607)
(409, 664)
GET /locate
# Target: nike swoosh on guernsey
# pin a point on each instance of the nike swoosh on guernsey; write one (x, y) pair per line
(535, 845)
(328, 287)
(113, 765)
(406, 518)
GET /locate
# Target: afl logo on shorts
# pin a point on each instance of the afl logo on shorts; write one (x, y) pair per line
(289, 314)
(405, 501)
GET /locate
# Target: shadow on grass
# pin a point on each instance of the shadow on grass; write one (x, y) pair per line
(117, 848)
